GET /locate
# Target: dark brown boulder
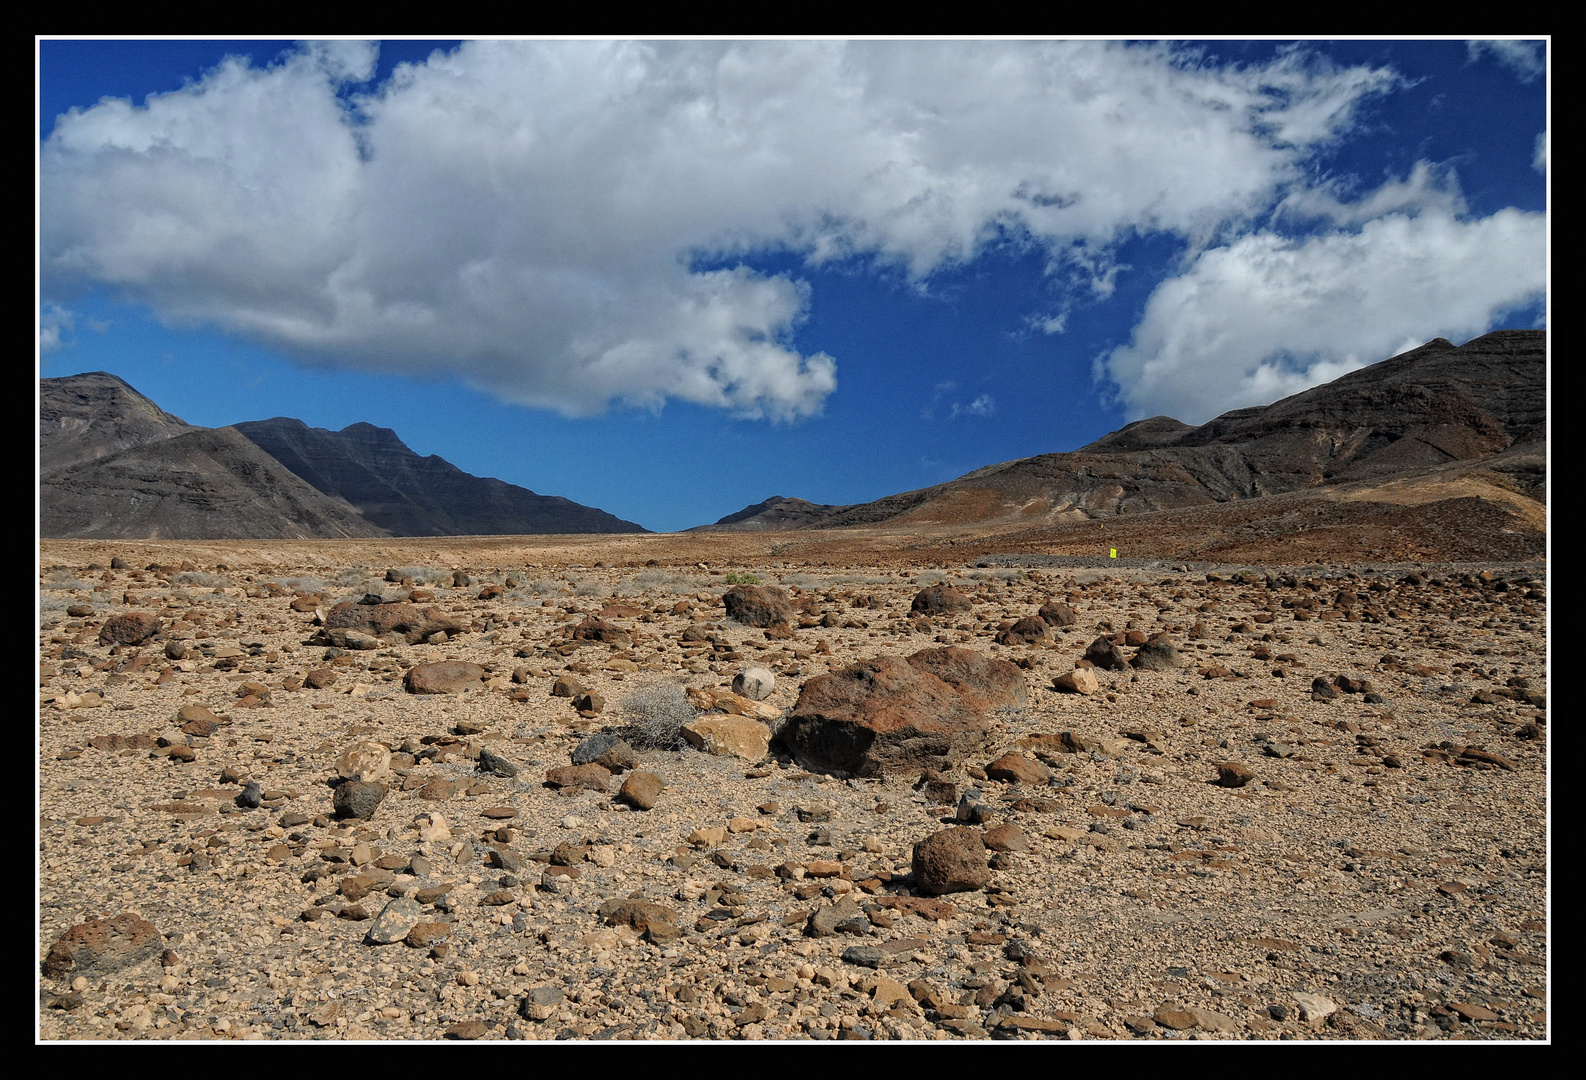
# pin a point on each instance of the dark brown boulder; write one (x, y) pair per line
(599, 630)
(938, 599)
(409, 621)
(133, 628)
(1055, 613)
(1157, 654)
(995, 682)
(953, 860)
(102, 946)
(446, 677)
(590, 776)
(1104, 654)
(882, 716)
(757, 605)
(1027, 631)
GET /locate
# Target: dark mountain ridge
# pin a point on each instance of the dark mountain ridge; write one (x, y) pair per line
(409, 495)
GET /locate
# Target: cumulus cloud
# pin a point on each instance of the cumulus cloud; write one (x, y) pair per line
(1269, 315)
(1527, 59)
(1539, 156)
(561, 223)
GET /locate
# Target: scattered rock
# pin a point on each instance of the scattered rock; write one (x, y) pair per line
(953, 860)
(882, 716)
(641, 790)
(1078, 681)
(729, 736)
(99, 947)
(445, 677)
(940, 599)
(757, 605)
(358, 799)
(132, 628)
(754, 683)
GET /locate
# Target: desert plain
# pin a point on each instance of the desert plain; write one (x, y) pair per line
(1321, 816)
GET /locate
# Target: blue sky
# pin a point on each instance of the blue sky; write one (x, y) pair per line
(670, 279)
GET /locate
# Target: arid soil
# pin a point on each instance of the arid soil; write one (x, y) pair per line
(1377, 870)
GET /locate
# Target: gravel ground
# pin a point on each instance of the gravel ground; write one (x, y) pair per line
(1383, 875)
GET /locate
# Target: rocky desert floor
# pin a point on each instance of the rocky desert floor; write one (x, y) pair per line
(1327, 819)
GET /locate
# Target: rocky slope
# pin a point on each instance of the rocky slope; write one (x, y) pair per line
(1417, 411)
(83, 417)
(774, 514)
(206, 483)
(409, 495)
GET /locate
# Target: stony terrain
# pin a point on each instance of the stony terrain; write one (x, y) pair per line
(1277, 802)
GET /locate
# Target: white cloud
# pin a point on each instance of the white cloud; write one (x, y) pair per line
(55, 324)
(983, 407)
(1527, 59)
(1268, 316)
(529, 215)
(1539, 156)
(1427, 189)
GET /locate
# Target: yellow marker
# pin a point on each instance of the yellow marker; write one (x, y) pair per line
(1114, 553)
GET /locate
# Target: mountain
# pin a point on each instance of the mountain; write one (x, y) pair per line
(90, 416)
(113, 464)
(1415, 413)
(204, 484)
(408, 495)
(775, 514)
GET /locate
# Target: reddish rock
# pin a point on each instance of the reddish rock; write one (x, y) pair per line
(757, 605)
(641, 790)
(102, 946)
(994, 682)
(319, 678)
(1058, 614)
(409, 621)
(953, 860)
(446, 677)
(938, 599)
(1006, 837)
(591, 776)
(599, 630)
(1231, 774)
(881, 716)
(133, 628)
(1018, 769)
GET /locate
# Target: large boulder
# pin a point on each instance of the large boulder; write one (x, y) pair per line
(600, 630)
(1027, 631)
(1057, 613)
(939, 599)
(1157, 654)
(995, 682)
(757, 605)
(102, 946)
(133, 628)
(410, 622)
(881, 716)
(446, 677)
